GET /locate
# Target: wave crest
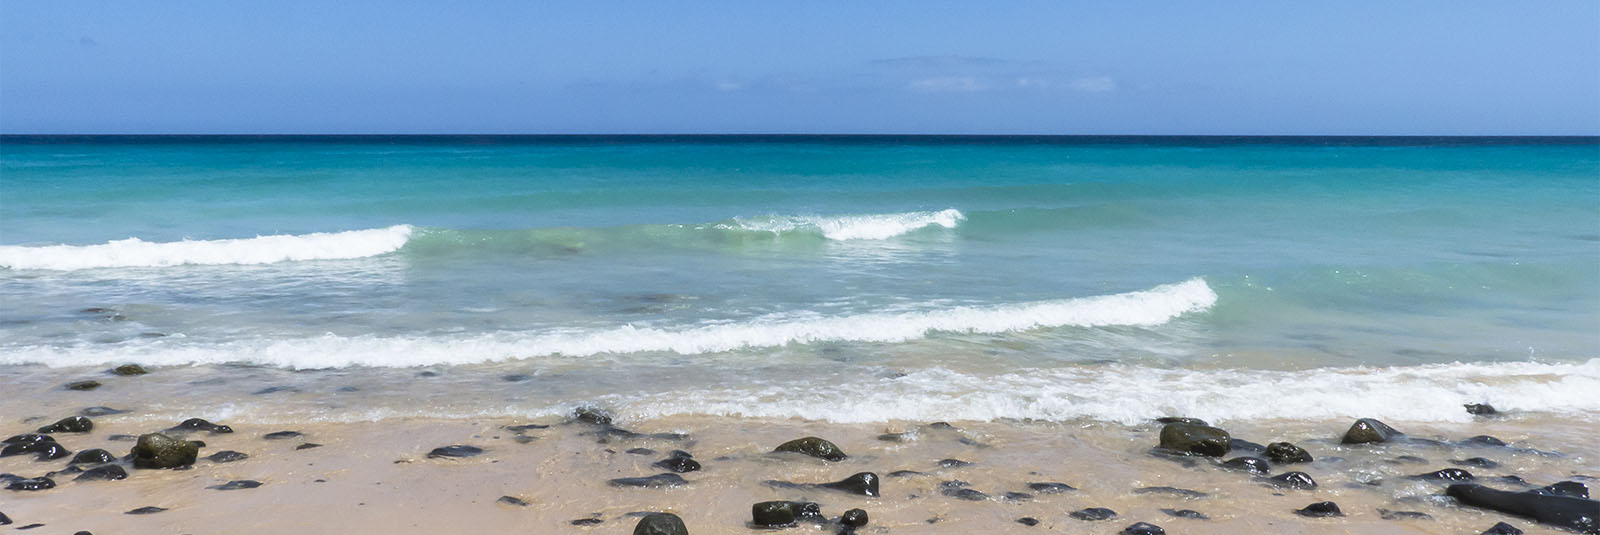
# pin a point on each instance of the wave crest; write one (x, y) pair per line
(134, 252)
(854, 227)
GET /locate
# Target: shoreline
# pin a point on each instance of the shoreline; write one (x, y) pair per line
(377, 476)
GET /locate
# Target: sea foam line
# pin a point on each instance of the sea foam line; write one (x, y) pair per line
(855, 227)
(134, 252)
(1141, 308)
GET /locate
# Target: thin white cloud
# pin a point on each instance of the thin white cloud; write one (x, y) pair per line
(1095, 84)
(949, 84)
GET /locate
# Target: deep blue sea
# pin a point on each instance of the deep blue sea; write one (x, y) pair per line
(839, 278)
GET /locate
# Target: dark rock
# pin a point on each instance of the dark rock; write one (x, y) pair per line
(953, 463)
(905, 473)
(1407, 459)
(1254, 465)
(347, 389)
(1368, 430)
(1028, 521)
(127, 370)
(641, 451)
(965, 494)
(1143, 528)
(122, 438)
(1186, 513)
(1572, 489)
(660, 524)
(280, 435)
(1320, 510)
(1181, 420)
(895, 437)
(1239, 445)
(110, 472)
(525, 427)
(96, 412)
(155, 450)
(658, 481)
(1403, 515)
(592, 415)
(82, 385)
(1514, 480)
(513, 500)
(198, 443)
(196, 424)
(1171, 491)
(455, 451)
(1293, 480)
(51, 451)
(237, 484)
(680, 453)
(28, 438)
(814, 447)
(42, 450)
(147, 510)
(37, 483)
(1447, 474)
(307, 446)
(1502, 528)
(71, 424)
(863, 483)
(515, 377)
(1093, 513)
(1286, 453)
(227, 456)
(31, 526)
(854, 518)
(1562, 511)
(94, 456)
(1016, 496)
(680, 465)
(1483, 440)
(587, 522)
(4, 520)
(1049, 487)
(1480, 409)
(274, 390)
(1194, 439)
(427, 373)
(783, 513)
(1476, 462)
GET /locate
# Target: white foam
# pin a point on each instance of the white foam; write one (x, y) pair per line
(856, 227)
(1133, 394)
(1148, 307)
(134, 252)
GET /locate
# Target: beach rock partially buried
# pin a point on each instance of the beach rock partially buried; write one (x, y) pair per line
(1194, 439)
(592, 415)
(680, 462)
(658, 481)
(660, 524)
(1293, 480)
(454, 451)
(1320, 510)
(854, 518)
(814, 447)
(1568, 512)
(1254, 465)
(1480, 409)
(71, 424)
(1049, 487)
(30, 484)
(1093, 514)
(1286, 453)
(82, 385)
(1143, 528)
(129, 370)
(1448, 474)
(110, 472)
(1502, 528)
(863, 483)
(784, 513)
(146, 510)
(98, 411)
(43, 447)
(197, 424)
(227, 456)
(1369, 431)
(155, 450)
(94, 456)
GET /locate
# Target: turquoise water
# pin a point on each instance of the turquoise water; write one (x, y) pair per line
(696, 258)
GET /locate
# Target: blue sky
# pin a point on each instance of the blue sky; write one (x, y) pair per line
(1267, 67)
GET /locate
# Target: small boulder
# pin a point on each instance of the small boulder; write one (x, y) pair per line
(682, 465)
(155, 450)
(1186, 513)
(1502, 528)
(1286, 453)
(98, 411)
(227, 456)
(863, 483)
(1568, 512)
(1293, 480)
(660, 524)
(1093, 514)
(197, 424)
(72, 424)
(280, 435)
(1480, 409)
(110, 472)
(454, 451)
(31, 484)
(1143, 528)
(1320, 510)
(1369, 431)
(854, 518)
(1028, 521)
(1448, 474)
(1049, 487)
(1194, 439)
(658, 481)
(513, 500)
(1254, 465)
(592, 415)
(82, 386)
(814, 447)
(782, 513)
(94, 456)
(128, 370)
(146, 510)
(1180, 420)
(237, 485)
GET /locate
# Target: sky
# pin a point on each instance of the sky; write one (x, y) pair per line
(849, 67)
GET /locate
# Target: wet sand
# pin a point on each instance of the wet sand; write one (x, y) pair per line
(377, 477)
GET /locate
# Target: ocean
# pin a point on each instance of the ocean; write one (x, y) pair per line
(840, 279)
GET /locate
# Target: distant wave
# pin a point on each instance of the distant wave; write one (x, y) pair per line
(854, 227)
(134, 252)
(1148, 307)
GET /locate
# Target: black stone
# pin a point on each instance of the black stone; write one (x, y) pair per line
(641, 451)
(42, 450)
(525, 427)
(1368, 430)
(155, 450)
(658, 481)
(122, 438)
(1320, 510)
(307, 446)
(1566, 488)
(895, 437)
(274, 390)
(1447, 474)
(515, 377)
(1502, 528)
(197, 424)
(28, 438)
(147, 510)
(1480, 409)
(1143, 528)
(1286, 453)
(1239, 445)
(1254, 465)
(1171, 491)
(227, 456)
(1403, 515)
(236, 485)
(1016, 496)
(1049, 487)
(4, 520)
(587, 522)
(280, 435)
(1578, 514)
(71, 424)
(863, 483)
(95, 412)
(1028, 521)
(1194, 439)
(82, 385)
(953, 463)
(513, 500)
(31, 526)
(1186, 513)
(854, 518)
(660, 524)
(37, 483)
(783, 513)
(1483, 440)
(110, 472)
(680, 465)
(1093, 514)
(814, 447)
(1476, 462)
(1293, 480)
(94, 456)
(965, 494)
(1407, 459)
(1181, 420)
(127, 370)
(592, 415)
(455, 451)
(905, 473)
